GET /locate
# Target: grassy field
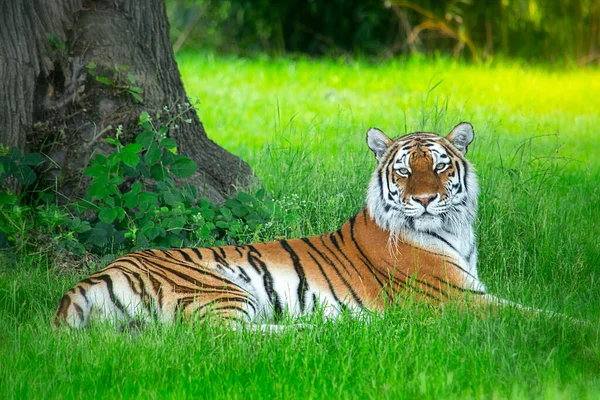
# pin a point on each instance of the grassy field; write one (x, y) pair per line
(301, 125)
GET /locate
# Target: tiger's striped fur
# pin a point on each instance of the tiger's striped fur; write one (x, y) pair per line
(414, 238)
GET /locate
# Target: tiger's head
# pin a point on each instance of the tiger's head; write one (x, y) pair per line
(423, 181)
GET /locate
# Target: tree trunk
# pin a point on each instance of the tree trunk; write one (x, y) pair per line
(52, 102)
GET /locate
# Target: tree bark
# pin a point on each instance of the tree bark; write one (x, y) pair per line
(52, 103)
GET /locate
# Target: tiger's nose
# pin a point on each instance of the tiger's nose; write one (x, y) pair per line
(424, 199)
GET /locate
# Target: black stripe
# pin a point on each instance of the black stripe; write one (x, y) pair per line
(267, 281)
(109, 287)
(188, 278)
(220, 259)
(303, 284)
(339, 232)
(216, 301)
(196, 252)
(141, 293)
(332, 265)
(327, 259)
(340, 303)
(414, 278)
(195, 284)
(365, 260)
(79, 311)
(446, 260)
(186, 256)
(339, 249)
(471, 252)
(435, 235)
(244, 275)
(83, 292)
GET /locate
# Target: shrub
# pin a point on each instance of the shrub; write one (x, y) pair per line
(133, 201)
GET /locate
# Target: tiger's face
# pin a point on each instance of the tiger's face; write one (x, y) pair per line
(422, 181)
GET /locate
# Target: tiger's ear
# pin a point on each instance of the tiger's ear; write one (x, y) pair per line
(461, 136)
(378, 141)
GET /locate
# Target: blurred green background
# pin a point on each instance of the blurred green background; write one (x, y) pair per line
(563, 31)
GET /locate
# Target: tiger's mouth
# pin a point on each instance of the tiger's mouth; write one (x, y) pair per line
(427, 222)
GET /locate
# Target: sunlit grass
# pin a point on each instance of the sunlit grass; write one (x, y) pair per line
(246, 102)
(301, 126)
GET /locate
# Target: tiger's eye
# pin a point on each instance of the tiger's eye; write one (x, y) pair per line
(403, 171)
(440, 166)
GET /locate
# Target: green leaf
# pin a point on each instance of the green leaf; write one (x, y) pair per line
(116, 180)
(167, 158)
(135, 89)
(245, 198)
(131, 77)
(144, 118)
(204, 232)
(174, 223)
(114, 159)
(96, 171)
(107, 215)
(168, 144)
(183, 168)
(129, 154)
(78, 226)
(120, 213)
(130, 200)
(175, 241)
(136, 96)
(226, 213)
(240, 211)
(130, 159)
(169, 198)
(260, 194)
(25, 175)
(100, 191)
(147, 201)
(98, 237)
(152, 155)
(91, 65)
(145, 139)
(151, 232)
(6, 199)
(132, 148)
(104, 80)
(159, 172)
(15, 154)
(141, 240)
(222, 224)
(33, 159)
(232, 203)
(100, 160)
(208, 214)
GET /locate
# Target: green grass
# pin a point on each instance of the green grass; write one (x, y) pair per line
(301, 125)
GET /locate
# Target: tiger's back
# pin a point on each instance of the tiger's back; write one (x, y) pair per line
(384, 253)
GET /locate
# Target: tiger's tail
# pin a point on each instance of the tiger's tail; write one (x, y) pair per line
(491, 300)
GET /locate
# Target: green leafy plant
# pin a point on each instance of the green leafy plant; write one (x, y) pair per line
(122, 80)
(28, 224)
(138, 203)
(133, 201)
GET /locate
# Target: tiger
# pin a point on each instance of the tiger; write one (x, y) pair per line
(414, 238)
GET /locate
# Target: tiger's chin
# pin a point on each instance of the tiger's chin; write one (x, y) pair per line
(428, 223)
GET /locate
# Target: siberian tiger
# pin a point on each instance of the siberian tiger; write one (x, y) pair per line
(414, 238)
